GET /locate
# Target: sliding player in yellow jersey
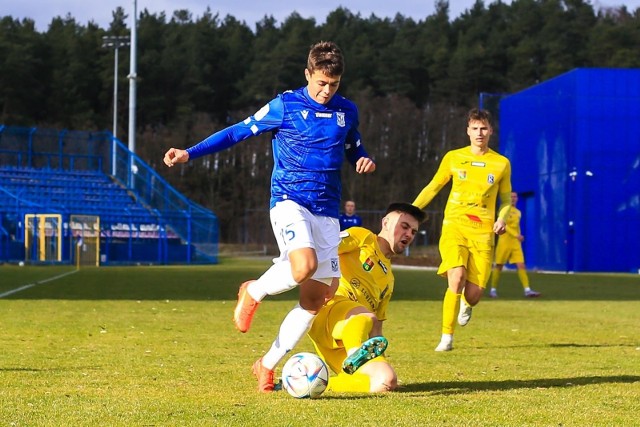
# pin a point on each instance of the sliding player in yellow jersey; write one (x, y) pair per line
(509, 250)
(347, 333)
(479, 176)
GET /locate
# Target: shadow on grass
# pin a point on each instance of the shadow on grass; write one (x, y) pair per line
(461, 387)
(555, 345)
(575, 345)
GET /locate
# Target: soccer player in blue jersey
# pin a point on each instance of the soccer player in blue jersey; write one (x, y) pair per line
(313, 129)
(349, 218)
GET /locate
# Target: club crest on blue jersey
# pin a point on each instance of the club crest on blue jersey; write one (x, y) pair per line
(341, 121)
(491, 178)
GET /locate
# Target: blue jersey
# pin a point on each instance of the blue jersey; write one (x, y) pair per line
(347, 221)
(309, 145)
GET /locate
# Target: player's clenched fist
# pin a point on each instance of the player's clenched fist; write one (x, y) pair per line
(365, 165)
(174, 156)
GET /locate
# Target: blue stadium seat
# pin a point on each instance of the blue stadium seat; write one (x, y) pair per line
(74, 192)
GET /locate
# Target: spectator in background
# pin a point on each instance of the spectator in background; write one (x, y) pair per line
(349, 218)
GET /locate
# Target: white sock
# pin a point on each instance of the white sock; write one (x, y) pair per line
(527, 290)
(276, 280)
(292, 329)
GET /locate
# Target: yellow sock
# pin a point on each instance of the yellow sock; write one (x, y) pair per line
(354, 331)
(356, 383)
(450, 307)
(524, 279)
(495, 278)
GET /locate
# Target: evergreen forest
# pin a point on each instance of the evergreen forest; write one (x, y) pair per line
(413, 82)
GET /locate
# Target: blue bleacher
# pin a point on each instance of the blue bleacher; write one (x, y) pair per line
(66, 172)
(74, 193)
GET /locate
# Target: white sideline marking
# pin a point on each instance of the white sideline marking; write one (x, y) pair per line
(31, 285)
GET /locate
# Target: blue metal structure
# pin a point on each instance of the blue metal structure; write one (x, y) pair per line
(574, 145)
(143, 218)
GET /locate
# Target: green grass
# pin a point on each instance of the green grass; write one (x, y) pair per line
(155, 346)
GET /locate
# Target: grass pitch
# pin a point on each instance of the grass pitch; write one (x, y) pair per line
(155, 346)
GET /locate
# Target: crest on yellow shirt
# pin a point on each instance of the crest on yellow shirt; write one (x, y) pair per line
(462, 174)
(367, 265)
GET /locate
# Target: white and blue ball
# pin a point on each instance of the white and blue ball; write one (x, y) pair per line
(305, 375)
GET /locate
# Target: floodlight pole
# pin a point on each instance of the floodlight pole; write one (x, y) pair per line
(132, 79)
(115, 42)
(132, 94)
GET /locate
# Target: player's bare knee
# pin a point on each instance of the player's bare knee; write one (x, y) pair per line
(304, 264)
(383, 382)
(302, 272)
(456, 278)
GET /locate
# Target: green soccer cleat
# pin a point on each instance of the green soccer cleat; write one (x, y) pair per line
(370, 349)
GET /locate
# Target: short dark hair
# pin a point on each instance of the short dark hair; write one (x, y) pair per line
(327, 58)
(476, 114)
(408, 208)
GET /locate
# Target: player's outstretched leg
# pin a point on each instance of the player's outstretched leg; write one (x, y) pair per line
(245, 308)
(265, 377)
(370, 349)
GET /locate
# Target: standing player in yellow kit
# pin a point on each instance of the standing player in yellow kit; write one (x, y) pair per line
(480, 175)
(509, 250)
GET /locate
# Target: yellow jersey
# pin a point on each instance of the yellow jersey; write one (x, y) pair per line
(366, 275)
(513, 224)
(477, 180)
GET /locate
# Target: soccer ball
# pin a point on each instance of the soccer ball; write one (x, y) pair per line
(305, 375)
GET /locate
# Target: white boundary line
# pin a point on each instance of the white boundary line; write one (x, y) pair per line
(31, 285)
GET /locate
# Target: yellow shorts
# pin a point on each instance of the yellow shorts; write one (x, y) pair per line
(509, 250)
(469, 249)
(323, 330)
